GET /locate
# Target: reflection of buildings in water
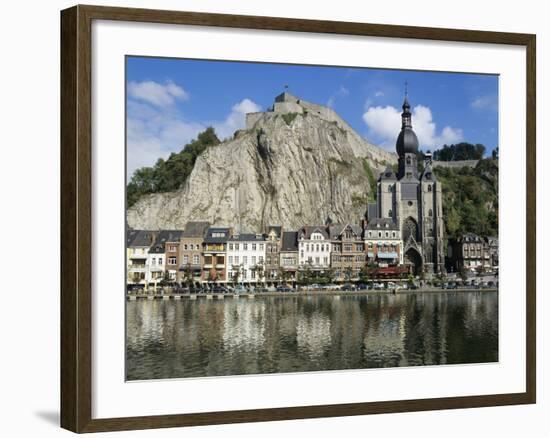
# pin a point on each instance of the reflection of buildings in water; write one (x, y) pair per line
(407, 330)
(244, 325)
(145, 316)
(384, 340)
(313, 334)
(481, 313)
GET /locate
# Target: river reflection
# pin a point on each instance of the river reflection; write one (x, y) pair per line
(185, 338)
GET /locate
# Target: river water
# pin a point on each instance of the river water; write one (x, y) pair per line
(195, 338)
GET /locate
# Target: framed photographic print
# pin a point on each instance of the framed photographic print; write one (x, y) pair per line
(268, 218)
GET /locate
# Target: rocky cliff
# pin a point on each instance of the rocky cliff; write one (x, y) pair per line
(296, 164)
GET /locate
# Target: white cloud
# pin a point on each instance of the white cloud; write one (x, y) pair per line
(379, 94)
(161, 95)
(384, 124)
(236, 118)
(485, 102)
(154, 132)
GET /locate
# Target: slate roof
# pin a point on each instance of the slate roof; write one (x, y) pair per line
(307, 231)
(383, 223)
(428, 174)
(289, 241)
(247, 237)
(209, 238)
(195, 229)
(372, 210)
(162, 238)
(130, 236)
(469, 237)
(388, 174)
(142, 238)
(337, 229)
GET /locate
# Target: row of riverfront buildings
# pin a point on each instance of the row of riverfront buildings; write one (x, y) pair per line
(201, 253)
(204, 254)
(403, 232)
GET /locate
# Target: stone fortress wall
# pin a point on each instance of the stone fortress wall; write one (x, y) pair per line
(455, 164)
(287, 103)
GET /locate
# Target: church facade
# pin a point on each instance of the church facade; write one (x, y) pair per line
(412, 200)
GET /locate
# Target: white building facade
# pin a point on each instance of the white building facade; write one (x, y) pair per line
(246, 259)
(314, 248)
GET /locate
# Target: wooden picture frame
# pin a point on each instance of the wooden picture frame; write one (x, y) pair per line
(76, 218)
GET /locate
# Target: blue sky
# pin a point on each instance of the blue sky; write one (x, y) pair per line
(169, 101)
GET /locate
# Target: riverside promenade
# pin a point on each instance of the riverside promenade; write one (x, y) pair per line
(303, 292)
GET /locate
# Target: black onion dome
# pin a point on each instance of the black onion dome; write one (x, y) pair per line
(407, 142)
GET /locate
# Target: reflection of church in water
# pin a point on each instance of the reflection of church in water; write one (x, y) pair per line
(413, 201)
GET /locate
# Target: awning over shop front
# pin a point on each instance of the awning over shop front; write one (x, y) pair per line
(387, 255)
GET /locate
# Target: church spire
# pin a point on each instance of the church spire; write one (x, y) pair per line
(406, 114)
(407, 142)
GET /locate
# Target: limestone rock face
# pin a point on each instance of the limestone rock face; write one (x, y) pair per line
(287, 168)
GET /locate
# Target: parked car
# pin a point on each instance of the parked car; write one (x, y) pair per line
(349, 287)
(283, 289)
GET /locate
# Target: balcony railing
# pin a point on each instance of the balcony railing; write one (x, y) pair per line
(138, 256)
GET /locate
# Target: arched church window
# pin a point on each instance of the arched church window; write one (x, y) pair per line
(390, 213)
(410, 229)
(408, 161)
(430, 188)
(430, 213)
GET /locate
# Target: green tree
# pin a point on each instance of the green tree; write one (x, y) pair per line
(463, 273)
(235, 275)
(187, 275)
(348, 273)
(470, 198)
(460, 152)
(364, 274)
(305, 275)
(168, 175)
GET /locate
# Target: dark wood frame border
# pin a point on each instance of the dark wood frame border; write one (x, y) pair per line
(76, 174)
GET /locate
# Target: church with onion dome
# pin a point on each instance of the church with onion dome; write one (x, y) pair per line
(412, 201)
